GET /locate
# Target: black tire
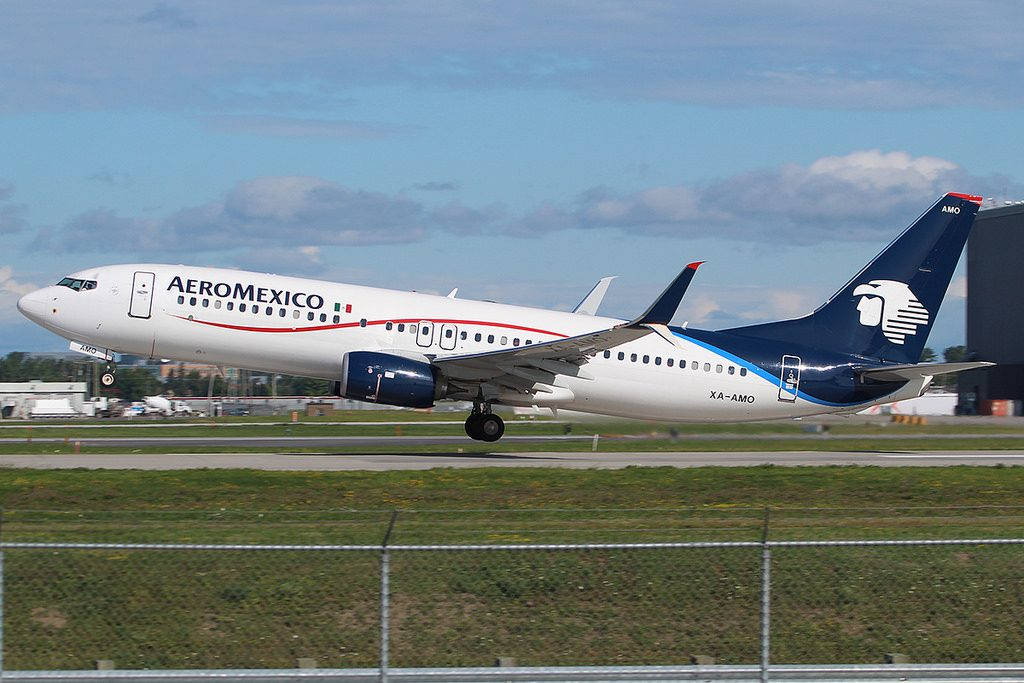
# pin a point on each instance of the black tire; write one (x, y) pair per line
(491, 428)
(473, 426)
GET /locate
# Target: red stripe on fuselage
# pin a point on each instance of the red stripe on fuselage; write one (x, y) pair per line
(412, 321)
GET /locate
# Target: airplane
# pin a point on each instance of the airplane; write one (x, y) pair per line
(860, 348)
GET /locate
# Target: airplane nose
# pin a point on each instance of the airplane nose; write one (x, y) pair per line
(32, 306)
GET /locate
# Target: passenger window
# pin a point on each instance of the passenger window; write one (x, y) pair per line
(310, 316)
(515, 342)
(669, 362)
(323, 317)
(694, 365)
(231, 305)
(192, 301)
(707, 367)
(622, 356)
(241, 308)
(463, 335)
(732, 370)
(388, 325)
(647, 359)
(632, 357)
(362, 321)
(743, 372)
(270, 310)
(216, 304)
(448, 334)
(718, 369)
(504, 340)
(401, 327)
(528, 342)
(283, 313)
(206, 303)
(477, 337)
(607, 354)
(296, 314)
(336, 319)
(657, 360)
(181, 299)
(490, 339)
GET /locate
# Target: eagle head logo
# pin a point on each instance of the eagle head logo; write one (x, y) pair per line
(892, 305)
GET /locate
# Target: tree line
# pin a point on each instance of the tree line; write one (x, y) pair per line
(134, 383)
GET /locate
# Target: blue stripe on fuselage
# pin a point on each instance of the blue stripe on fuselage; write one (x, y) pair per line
(761, 372)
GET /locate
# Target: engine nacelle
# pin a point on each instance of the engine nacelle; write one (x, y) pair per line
(386, 378)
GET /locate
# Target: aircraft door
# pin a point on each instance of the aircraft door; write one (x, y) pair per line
(424, 333)
(449, 333)
(789, 382)
(141, 305)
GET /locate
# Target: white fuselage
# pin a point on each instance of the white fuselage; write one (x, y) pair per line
(304, 327)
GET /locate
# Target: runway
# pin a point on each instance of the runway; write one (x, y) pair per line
(379, 462)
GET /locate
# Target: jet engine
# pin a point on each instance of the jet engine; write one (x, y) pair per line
(387, 378)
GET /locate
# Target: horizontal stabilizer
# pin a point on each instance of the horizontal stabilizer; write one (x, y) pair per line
(664, 307)
(903, 373)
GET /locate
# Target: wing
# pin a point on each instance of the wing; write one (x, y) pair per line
(527, 374)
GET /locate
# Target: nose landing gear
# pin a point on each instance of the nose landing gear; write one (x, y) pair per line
(483, 425)
(108, 377)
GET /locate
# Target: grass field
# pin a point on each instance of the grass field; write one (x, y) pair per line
(68, 608)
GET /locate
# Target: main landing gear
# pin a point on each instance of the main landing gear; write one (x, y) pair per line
(483, 425)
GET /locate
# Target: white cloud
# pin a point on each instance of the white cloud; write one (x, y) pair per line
(307, 54)
(957, 288)
(292, 127)
(864, 195)
(273, 211)
(10, 291)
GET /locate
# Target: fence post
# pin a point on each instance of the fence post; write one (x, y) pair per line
(1, 594)
(766, 598)
(385, 598)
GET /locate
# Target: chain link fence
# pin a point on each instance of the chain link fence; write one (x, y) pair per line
(156, 605)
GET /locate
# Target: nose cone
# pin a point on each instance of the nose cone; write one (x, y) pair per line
(32, 306)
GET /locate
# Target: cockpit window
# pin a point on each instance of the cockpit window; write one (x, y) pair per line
(76, 284)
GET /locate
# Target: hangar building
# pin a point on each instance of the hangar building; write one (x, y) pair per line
(995, 311)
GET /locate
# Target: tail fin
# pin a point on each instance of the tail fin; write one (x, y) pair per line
(886, 311)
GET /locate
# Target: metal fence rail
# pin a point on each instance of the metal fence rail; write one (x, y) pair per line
(730, 610)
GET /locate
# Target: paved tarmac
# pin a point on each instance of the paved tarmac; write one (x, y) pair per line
(422, 461)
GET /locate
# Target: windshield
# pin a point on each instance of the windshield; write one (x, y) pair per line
(77, 284)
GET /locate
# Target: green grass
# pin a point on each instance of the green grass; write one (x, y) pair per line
(67, 608)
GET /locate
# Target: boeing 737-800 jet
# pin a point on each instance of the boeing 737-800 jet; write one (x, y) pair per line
(860, 348)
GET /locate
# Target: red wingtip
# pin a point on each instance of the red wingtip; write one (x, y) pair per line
(969, 197)
(695, 265)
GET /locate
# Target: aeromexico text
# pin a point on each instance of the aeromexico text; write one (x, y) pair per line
(263, 295)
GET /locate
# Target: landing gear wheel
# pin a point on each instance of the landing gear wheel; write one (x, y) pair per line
(491, 427)
(473, 426)
(107, 379)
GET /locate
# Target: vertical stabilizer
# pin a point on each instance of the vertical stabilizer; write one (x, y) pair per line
(887, 309)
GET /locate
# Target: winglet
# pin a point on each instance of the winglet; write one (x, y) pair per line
(664, 307)
(593, 299)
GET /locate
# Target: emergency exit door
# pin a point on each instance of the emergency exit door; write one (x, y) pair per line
(789, 381)
(142, 295)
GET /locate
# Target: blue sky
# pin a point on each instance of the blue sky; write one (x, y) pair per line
(519, 151)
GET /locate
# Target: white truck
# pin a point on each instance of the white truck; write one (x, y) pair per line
(164, 406)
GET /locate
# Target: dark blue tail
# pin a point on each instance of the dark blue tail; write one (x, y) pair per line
(886, 311)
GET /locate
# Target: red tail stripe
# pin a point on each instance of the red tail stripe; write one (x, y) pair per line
(969, 197)
(317, 328)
